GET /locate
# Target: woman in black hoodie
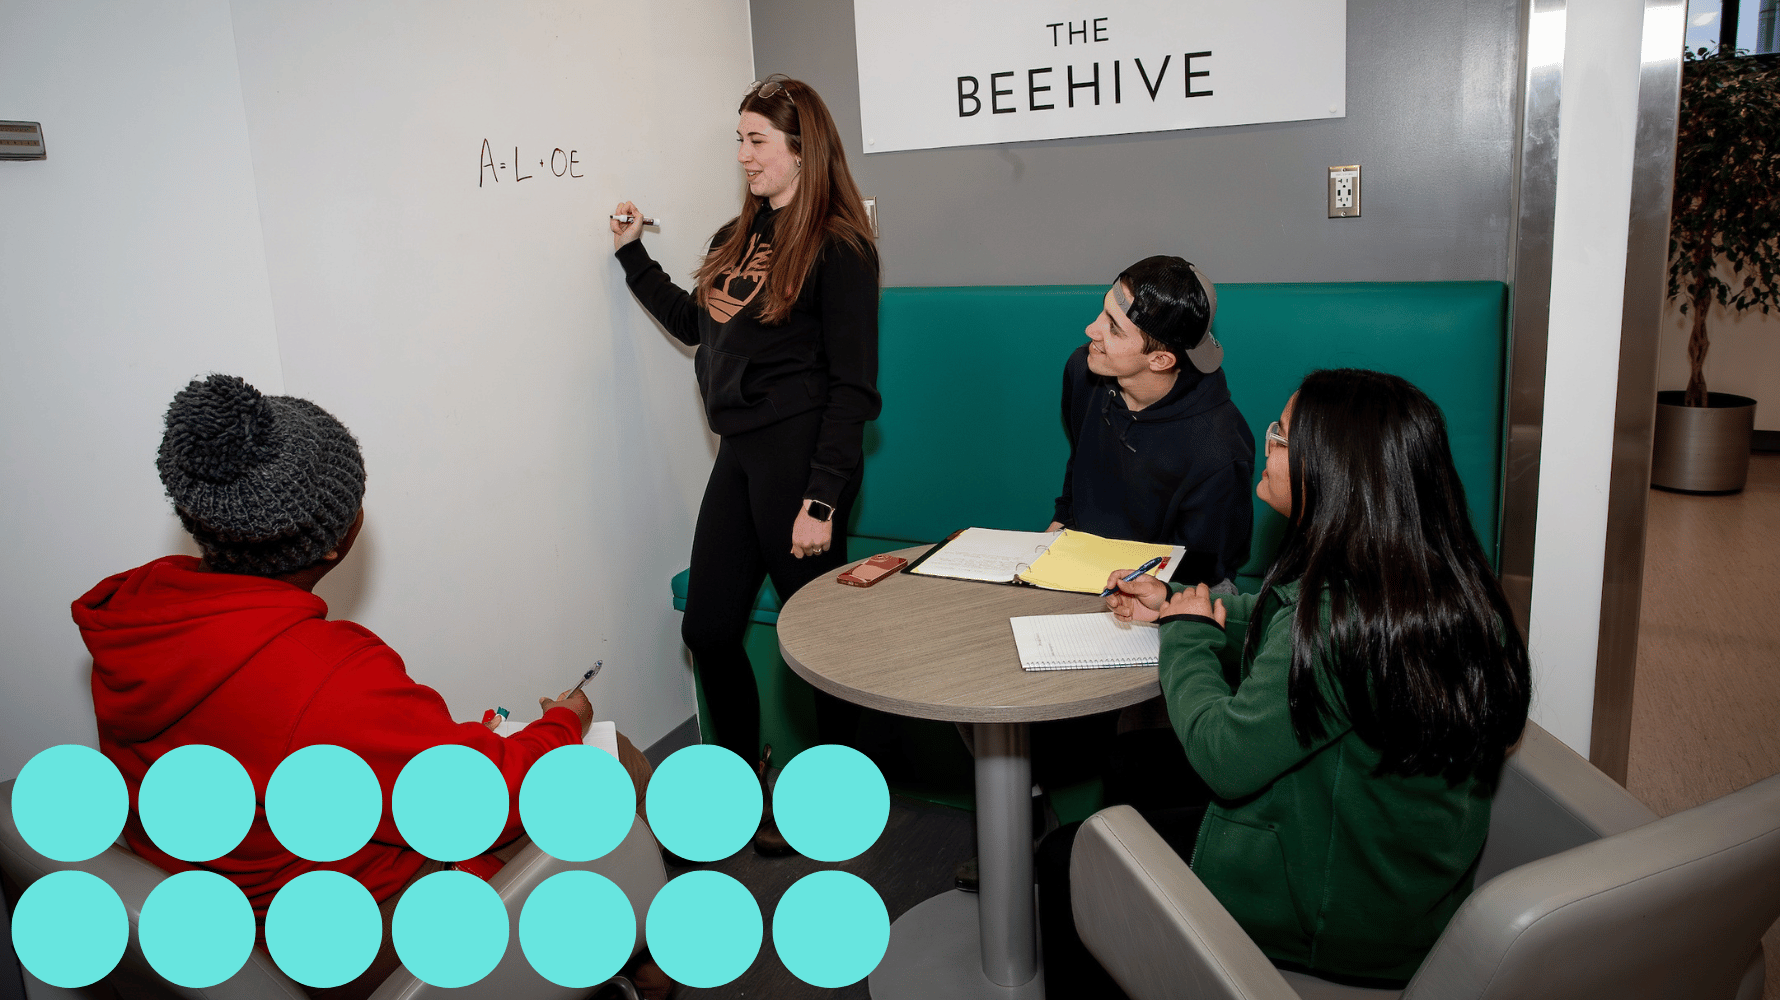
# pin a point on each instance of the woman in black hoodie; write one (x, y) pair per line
(784, 312)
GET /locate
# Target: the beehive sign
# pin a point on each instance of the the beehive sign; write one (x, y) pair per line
(940, 74)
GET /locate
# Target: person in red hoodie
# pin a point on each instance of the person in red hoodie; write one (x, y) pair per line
(235, 650)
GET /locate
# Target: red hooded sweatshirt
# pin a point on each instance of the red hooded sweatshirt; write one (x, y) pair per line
(252, 666)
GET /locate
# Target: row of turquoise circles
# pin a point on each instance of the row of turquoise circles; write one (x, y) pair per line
(450, 929)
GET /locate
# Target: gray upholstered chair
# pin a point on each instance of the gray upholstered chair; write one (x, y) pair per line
(1582, 893)
(635, 866)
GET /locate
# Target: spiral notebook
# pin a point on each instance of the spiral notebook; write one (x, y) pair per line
(1084, 642)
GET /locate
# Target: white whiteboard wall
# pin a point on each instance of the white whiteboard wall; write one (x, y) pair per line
(130, 260)
(534, 444)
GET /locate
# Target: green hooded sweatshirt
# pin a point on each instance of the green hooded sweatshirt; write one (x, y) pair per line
(1325, 863)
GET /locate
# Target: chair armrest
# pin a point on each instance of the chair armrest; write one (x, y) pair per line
(1153, 925)
(133, 878)
(1550, 800)
(635, 866)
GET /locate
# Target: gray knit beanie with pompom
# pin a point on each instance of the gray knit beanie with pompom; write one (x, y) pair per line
(266, 484)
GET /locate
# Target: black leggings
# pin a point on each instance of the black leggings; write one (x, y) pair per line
(743, 536)
(1149, 771)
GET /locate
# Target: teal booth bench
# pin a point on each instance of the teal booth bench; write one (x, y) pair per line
(972, 433)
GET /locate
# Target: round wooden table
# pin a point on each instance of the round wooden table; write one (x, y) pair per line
(943, 649)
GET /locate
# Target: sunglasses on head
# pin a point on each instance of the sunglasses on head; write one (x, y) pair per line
(764, 89)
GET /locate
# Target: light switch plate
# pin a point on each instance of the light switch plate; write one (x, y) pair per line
(21, 141)
(871, 213)
(1344, 192)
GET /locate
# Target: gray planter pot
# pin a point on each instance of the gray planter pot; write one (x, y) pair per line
(1702, 449)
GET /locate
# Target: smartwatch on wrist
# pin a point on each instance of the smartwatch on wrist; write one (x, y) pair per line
(818, 510)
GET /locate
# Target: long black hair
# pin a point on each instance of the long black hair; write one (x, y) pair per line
(1419, 641)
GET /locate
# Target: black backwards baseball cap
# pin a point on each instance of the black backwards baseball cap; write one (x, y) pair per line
(1172, 301)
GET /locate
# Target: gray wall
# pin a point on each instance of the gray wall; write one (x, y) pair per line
(1430, 118)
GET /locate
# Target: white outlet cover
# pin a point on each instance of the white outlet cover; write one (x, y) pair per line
(1344, 191)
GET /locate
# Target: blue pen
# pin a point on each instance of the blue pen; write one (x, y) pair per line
(1139, 571)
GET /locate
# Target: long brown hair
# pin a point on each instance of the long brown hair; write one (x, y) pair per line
(827, 202)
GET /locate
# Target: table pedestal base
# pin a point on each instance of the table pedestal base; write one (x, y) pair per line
(936, 953)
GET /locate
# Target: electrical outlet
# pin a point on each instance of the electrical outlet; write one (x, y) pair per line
(1344, 192)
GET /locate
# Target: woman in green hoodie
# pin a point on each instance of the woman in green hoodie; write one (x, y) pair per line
(1348, 721)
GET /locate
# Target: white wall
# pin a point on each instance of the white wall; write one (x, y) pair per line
(130, 260)
(288, 192)
(1744, 356)
(1604, 43)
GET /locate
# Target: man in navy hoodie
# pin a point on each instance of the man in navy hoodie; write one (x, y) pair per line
(1158, 452)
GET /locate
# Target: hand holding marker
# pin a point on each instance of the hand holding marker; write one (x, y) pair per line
(627, 224)
(1134, 574)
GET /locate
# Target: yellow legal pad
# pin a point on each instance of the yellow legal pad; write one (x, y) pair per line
(1067, 560)
(1081, 562)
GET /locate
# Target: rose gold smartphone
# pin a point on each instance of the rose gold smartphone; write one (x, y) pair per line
(872, 570)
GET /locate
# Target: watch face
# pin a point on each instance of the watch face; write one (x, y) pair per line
(820, 511)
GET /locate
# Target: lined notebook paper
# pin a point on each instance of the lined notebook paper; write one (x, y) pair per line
(989, 555)
(1084, 642)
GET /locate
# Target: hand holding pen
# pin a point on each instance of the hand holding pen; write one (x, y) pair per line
(575, 699)
(1132, 595)
(1112, 586)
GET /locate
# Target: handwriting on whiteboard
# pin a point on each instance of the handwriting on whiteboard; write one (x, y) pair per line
(493, 168)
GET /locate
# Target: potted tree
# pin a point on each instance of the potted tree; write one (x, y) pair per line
(1725, 218)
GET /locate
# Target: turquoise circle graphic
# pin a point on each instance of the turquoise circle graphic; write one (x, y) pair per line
(450, 928)
(831, 802)
(196, 929)
(704, 803)
(323, 803)
(70, 929)
(831, 929)
(196, 802)
(450, 803)
(577, 803)
(704, 927)
(70, 803)
(577, 928)
(323, 929)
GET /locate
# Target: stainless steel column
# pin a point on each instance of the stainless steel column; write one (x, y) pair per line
(1536, 205)
(1647, 254)
(1005, 910)
(1628, 485)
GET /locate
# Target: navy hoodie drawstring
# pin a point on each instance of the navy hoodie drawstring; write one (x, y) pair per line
(1105, 414)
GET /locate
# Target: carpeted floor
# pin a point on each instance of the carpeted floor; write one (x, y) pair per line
(1706, 702)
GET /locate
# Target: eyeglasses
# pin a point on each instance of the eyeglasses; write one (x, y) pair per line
(764, 89)
(1274, 437)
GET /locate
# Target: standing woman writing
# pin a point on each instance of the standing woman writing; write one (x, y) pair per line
(784, 312)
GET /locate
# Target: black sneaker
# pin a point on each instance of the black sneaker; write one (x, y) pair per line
(965, 875)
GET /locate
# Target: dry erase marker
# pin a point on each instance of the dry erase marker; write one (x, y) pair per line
(1134, 574)
(597, 664)
(626, 219)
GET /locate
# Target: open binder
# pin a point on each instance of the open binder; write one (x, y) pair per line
(1068, 560)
